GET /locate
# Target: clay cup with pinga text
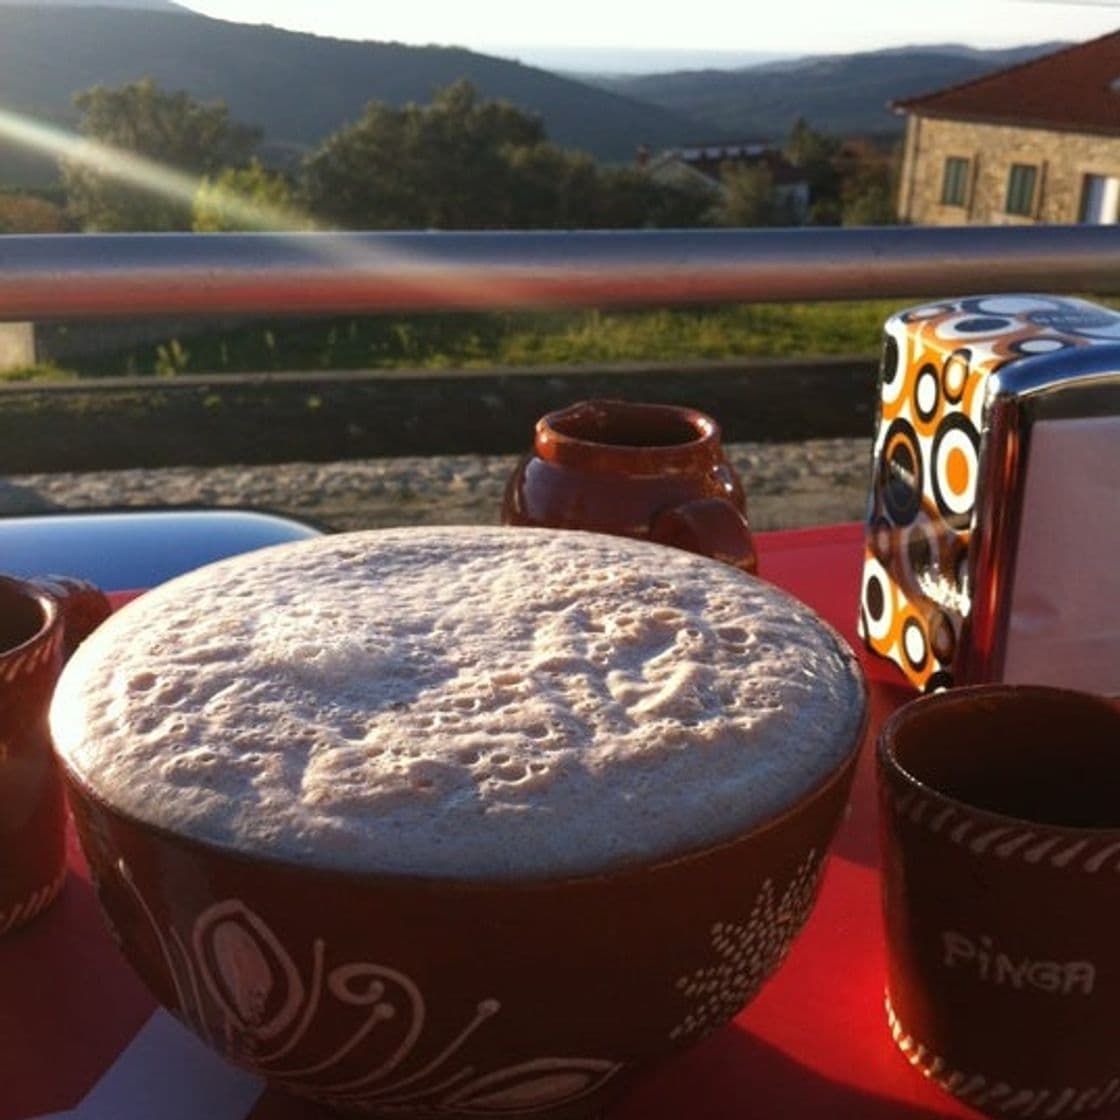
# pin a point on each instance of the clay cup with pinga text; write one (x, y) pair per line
(1001, 847)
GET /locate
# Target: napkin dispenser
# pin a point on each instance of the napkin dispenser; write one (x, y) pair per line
(993, 531)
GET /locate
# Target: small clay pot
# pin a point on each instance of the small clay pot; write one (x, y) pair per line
(1001, 879)
(383, 994)
(41, 622)
(650, 471)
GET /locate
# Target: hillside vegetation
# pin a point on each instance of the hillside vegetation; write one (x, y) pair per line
(297, 88)
(840, 94)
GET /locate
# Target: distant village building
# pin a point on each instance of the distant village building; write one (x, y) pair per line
(702, 165)
(1036, 142)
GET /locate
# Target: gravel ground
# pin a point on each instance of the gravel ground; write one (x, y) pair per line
(789, 485)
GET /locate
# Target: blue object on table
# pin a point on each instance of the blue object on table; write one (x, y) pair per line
(123, 550)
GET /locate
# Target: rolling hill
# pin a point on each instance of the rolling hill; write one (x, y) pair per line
(297, 87)
(842, 94)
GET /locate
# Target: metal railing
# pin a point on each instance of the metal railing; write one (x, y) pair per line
(75, 277)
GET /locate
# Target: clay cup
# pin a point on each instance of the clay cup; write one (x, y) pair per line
(1000, 829)
(40, 624)
(649, 471)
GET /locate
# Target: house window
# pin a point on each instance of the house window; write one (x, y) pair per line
(1100, 200)
(954, 184)
(1020, 189)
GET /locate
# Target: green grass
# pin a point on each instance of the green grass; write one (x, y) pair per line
(41, 371)
(763, 331)
(508, 339)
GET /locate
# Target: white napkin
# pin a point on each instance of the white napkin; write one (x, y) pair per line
(1065, 607)
(166, 1072)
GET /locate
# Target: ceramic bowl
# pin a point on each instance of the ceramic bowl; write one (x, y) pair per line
(386, 995)
(445, 993)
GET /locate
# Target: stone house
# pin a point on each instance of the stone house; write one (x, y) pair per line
(1036, 142)
(703, 165)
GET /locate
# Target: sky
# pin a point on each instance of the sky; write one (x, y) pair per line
(791, 27)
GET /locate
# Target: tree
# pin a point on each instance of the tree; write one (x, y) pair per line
(466, 163)
(631, 199)
(750, 198)
(549, 188)
(446, 165)
(868, 199)
(184, 137)
(870, 185)
(807, 148)
(21, 212)
(815, 153)
(240, 198)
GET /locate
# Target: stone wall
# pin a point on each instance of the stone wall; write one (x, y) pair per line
(196, 420)
(1063, 159)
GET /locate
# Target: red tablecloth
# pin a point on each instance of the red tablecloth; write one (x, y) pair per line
(813, 1044)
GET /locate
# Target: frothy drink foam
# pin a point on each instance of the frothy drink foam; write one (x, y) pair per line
(472, 703)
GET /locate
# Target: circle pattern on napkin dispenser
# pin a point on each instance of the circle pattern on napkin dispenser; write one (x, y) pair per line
(936, 360)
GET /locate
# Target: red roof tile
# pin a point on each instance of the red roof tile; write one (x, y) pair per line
(1077, 88)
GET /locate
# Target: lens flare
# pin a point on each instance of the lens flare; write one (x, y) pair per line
(420, 277)
(145, 174)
